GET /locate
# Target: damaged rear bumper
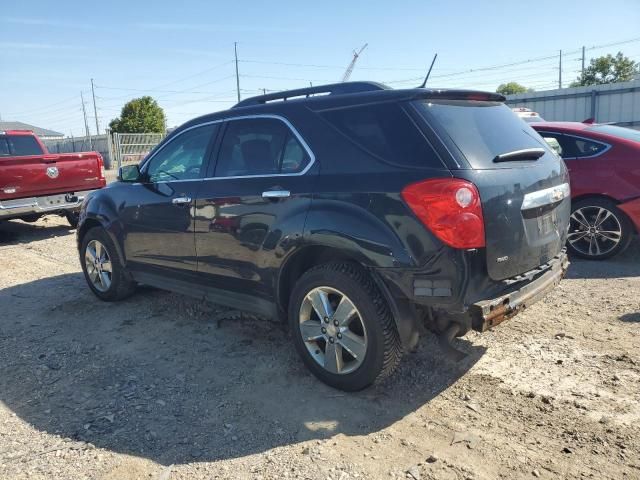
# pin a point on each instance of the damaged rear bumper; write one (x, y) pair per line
(489, 313)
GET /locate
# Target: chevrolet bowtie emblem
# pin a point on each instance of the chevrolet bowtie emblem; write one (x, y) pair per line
(52, 172)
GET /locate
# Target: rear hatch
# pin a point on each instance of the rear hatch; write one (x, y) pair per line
(26, 173)
(523, 185)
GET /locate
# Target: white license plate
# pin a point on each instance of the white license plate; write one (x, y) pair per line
(547, 223)
(53, 200)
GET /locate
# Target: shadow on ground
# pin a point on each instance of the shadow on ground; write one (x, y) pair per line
(14, 232)
(630, 317)
(627, 264)
(154, 377)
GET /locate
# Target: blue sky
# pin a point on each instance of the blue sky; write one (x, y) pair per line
(181, 52)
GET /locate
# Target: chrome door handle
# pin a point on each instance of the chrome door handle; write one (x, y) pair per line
(181, 200)
(276, 194)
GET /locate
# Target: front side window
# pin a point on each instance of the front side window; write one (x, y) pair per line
(259, 146)
(182, 158)
(553, 140)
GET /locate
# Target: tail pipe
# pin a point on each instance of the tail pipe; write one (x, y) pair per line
(445, 339)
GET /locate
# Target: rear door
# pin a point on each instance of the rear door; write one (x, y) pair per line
(523, 185)
(158, 212)
(26, 171)
(254, 204)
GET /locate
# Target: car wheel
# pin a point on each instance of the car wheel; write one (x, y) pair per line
(598, 229)
(72, 218)
(102, 267)
(342, 327)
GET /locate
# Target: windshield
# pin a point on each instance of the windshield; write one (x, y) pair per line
(480, 130)
(622, 132)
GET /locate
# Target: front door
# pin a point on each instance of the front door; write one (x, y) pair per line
(158, 216)
(254, 206)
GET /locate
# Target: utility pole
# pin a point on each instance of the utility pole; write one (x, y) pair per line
(582, 70)
(95, 110)
(235, 49)
(560, 71)
(86, 125)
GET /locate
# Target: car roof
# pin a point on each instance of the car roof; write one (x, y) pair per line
(564, 126)
(351, 92)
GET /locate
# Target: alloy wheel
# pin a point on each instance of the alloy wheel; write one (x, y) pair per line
(594, 231)
(333, 330)
(98, 264)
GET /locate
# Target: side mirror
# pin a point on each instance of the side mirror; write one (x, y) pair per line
(129, 173)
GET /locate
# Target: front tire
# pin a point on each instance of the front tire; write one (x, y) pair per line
(598, 229)
(102, 267)
(342, 327)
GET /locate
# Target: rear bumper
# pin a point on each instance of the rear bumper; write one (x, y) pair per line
(488, 313)
(41, 205)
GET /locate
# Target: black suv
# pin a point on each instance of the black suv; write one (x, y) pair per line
(356, 211)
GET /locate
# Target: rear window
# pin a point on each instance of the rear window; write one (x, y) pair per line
(387, 132)
(480, 130)
(19, 145)
(622, 132)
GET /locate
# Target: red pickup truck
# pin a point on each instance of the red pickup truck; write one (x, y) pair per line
(34, 182)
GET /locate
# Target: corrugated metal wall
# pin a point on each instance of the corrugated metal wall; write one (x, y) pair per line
(615, 102)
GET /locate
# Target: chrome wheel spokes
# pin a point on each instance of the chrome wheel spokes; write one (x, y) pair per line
(98, 265)
(332, 330)
(594, 231)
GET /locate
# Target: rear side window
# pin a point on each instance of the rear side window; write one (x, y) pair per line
(260, 146)
(480, 130)
(387, 132)
(574, 147)
(19, 146)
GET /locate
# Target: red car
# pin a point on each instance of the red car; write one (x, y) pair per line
(34, 182)
(604, 166)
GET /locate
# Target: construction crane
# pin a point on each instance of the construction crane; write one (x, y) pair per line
(347, 73)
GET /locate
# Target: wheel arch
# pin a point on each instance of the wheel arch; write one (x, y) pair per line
(307, 257)
(601, 196)
(91, 221)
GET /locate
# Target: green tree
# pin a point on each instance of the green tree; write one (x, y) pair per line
(511, 88)
(608, 69)
(140, 115)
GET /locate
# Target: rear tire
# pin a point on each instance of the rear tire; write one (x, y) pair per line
(102, 267)
(366, 344)
(598, 229)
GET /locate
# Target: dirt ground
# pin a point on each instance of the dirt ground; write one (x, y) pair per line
(160, 387)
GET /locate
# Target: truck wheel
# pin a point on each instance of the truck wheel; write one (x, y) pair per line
(102, 267)
(342, 327)
(72, 218)
(598, 229)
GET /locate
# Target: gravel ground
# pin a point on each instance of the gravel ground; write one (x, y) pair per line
(160, 387)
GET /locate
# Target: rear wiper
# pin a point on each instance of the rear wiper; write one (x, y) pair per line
(525, 154)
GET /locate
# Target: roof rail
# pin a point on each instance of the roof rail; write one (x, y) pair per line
(333, 89)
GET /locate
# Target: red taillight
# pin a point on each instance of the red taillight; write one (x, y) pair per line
(101, 167)
(450, 208)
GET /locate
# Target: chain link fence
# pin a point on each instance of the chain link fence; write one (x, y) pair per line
(129, 148)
